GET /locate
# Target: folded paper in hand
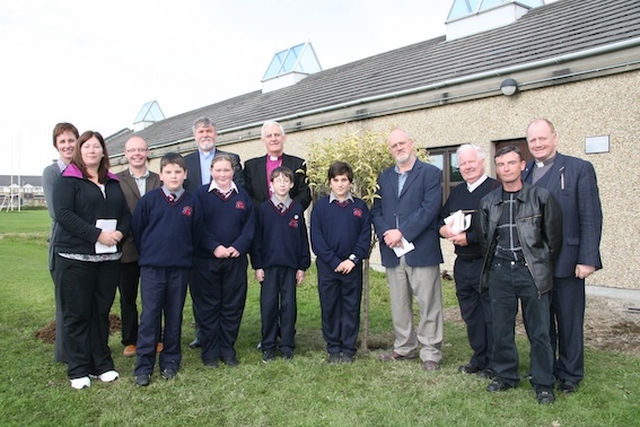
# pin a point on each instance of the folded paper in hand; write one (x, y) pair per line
(106, 225)
(458, 221)
(407, 246)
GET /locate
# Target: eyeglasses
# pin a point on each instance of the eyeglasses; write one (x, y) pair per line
(136, 150)
(281, 181)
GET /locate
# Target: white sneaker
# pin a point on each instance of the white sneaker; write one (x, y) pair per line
(80, 383)
(109, 376)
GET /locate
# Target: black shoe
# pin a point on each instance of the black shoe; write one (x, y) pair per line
(268, 355)
(486, 373)
(168, 374)
(469, 368)
(545, 396)
(213, 363)
(287, 355)
(567, 387)
(230, 361)
(195, 343)
(498, 385)
(334, 358)
(348, 358)
(143, 380)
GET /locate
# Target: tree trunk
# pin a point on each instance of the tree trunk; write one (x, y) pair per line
(365, 305)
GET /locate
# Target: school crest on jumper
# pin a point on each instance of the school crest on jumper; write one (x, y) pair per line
(357, 212)
(187, 211)
(294, 221)
(240, 205)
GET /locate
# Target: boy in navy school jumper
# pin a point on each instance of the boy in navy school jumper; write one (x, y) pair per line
(167, 225)
(280, 255)
(340, 238)
(219, 278)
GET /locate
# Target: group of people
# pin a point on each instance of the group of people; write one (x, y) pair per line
(531, 237)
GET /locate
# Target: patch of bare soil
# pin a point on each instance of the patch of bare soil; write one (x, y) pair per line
(48, 333)
(608, 324)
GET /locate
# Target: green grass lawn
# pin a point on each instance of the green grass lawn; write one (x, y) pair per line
(29, 221)
(305, 392)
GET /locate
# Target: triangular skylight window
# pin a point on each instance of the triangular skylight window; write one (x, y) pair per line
(150, 112)
(297, 59)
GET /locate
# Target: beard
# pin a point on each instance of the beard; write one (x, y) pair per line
(206, 144)
(404, 158)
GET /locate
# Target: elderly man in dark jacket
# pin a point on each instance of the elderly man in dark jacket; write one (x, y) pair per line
(521, 233)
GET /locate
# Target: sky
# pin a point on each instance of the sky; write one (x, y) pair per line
(95, 64)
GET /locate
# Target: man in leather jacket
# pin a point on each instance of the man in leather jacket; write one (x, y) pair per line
(521, 233)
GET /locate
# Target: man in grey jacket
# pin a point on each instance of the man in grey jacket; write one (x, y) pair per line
(521, 234)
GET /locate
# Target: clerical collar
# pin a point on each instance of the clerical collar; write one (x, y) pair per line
(477, 184)
(546, 162)
(274, 158)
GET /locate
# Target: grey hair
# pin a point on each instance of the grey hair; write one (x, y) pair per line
(479, 151)
(203, 121)
(270, 123)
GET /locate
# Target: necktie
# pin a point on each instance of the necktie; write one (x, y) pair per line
(281, 207)
(172, 197)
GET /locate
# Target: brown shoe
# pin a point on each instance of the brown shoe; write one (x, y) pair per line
(159, 347)
(430, 366)
(129, 351)
(393, 356)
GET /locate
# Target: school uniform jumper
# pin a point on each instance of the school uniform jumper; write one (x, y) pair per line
(280, 248)
(219, 286)
(339, 229)
(165, 233)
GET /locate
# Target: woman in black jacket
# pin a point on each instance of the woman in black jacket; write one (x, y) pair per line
(93, 216)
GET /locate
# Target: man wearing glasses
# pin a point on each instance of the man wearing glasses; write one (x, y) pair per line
(135, 182)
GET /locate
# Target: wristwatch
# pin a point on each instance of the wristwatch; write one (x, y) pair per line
(353, 258)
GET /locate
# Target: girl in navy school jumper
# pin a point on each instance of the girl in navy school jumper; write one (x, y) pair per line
(280, 255)
(219, 279)
(340, 238)
(167, 226)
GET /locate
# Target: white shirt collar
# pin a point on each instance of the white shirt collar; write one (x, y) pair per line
(333, 197)
(477, 184)
(214, 186)
(286, 202)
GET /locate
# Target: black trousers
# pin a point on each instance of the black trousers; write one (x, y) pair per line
(219, 293)
(164, 291)
(475, 308)
(128, 286)
(340, 296)
(59, 354)
(87, 293)
(567, 328)
(278, 309)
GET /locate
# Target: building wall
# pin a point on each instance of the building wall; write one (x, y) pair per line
(597, 107)
(601, 106)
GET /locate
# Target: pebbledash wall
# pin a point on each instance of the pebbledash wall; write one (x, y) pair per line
(603, 106)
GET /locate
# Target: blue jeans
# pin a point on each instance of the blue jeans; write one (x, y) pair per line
(509, 282)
